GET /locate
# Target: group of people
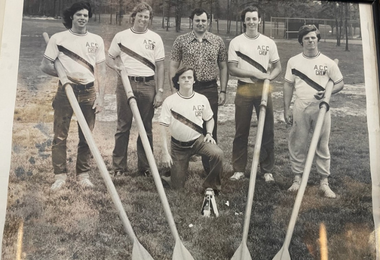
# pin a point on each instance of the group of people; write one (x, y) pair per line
(198, 60)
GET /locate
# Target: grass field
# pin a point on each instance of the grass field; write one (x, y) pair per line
(82, 224)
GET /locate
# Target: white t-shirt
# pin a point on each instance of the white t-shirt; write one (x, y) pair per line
(195, 108)
(78, 53)
(148, 45)
(261, 49)
(319, 69)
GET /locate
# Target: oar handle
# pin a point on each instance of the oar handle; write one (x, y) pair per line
(255, 161)
(91, 143)
(149, 153)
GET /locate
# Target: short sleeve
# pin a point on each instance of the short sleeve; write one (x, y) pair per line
(100, 55)
(274, 57)
(222, 55)
(176, 53)
(159, 50)
(207, 111)
(165, 116)
(114, 50)
(335, 74)
(289, 77)
(51, 52)
(232, 52)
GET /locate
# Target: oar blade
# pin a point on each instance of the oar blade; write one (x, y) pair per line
(283, 254)
(139, 252)
(242, 253)
(180, 252)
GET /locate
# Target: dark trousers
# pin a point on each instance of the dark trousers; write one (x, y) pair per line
(181, 156)
(62, 117)
(144, 93)
(248, 96)
(210, 90)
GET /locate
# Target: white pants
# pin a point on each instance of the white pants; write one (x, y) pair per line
(305, 115)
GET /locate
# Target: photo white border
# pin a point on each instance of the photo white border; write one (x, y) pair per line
(10, 30)
(10, 36)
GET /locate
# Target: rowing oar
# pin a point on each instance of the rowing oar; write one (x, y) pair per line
(283, 254)
(242, 253)
(138, 251)
(180, 252)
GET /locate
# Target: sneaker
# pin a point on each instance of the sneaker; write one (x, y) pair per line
(296, 183)
(327, 192)
(237, 176)
(84, 180)
(268, 177)
(60, 181)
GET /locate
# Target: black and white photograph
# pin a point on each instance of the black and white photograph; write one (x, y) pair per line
(190, 130)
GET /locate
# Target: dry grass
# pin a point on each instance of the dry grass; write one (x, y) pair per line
(82, 224)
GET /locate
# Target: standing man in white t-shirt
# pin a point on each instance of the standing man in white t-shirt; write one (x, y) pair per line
(82, 56)
(308, 74)
(184, 113)
(252, 58)
(141, 53)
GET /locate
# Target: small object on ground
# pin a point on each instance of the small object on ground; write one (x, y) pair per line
(209, 204)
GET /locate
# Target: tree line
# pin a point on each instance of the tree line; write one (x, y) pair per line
(340, 13)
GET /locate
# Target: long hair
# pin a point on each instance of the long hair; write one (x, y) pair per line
(179, 73)
(69, 12)
(139, 8)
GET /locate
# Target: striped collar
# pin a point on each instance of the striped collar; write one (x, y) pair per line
(192, 95)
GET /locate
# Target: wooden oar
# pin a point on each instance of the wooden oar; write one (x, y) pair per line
(242, 253)
(138, 252)
(180, 252)
(283, 254)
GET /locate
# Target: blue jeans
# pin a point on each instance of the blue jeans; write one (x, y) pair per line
(211, 92)
(144, 93)
(247, 97)
(181, 156)
(62, 117)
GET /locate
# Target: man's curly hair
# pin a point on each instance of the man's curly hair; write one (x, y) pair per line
(69, 12)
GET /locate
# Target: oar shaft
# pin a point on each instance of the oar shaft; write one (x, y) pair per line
(255, 161)
(91, 143)
(99, 161)
(308, 164)
(149, 153)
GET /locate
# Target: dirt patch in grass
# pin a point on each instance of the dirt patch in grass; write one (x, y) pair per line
(82, 224)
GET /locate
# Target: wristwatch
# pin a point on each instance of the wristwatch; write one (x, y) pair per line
(161, 90)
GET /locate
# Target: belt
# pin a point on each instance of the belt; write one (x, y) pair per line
(80, 86)
(205, 84)
(190, 143)
(140, 79)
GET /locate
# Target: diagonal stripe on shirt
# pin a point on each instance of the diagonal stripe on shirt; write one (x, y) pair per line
(137, 56)
(251, 61)
(308, 80)
(76, 58)
(187, 122)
